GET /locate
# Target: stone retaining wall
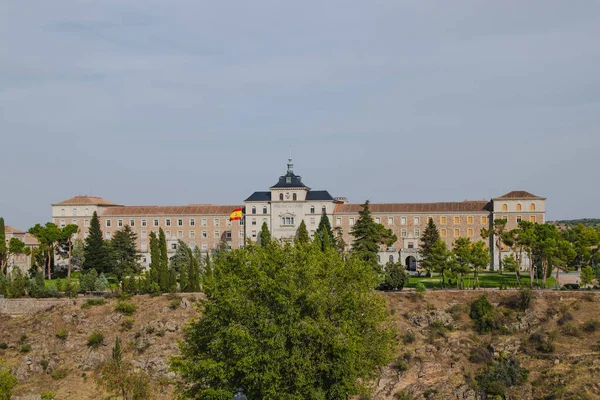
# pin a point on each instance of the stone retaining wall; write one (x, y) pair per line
(30, 306)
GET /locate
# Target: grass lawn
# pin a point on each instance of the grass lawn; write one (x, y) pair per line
(486, 280)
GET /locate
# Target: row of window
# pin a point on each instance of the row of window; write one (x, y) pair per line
(519, 207)
(417, 220)
(265, 210)
(192, 235)
(168, 222)
(63, 212)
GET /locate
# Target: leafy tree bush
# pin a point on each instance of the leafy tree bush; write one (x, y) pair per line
(480, 355)
(566, 317)
(484, 315)
(3, 346)
(95, 339)
(59, 373)
(286, 322)
(408, 337)
(543, 343)
(88, 282)
(420, 288)
(570, 329)
(125, 308)
(26, 348)
(117, 376)
(591, 326)
(93, 302)
(7, 382)
(500, 375)
(62, 334)
(127, 323)
(395, 276)
(48, 395)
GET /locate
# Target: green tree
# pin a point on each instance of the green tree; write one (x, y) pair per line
(124, 254)
(164, 262)
(368, 236)
(118, 376)
(88, 281)
(525, 239)
(3, 256)
(462, 255)
(396, 276)
(324, 232)
(265, 235)
(65, 244)
(155, 260)
(302, 234)
(16, 247)
(496, 232)
(480, 260)
(564, 258)
(286, 322)
(428, 241)
(95, 252)
(587, 276)
(47, 235)
(438, 260)
(7, 380)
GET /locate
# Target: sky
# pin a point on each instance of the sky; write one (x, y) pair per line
(172, 102)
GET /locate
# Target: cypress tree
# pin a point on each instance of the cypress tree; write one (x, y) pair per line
(428, 241)
(302, 236)
(265, 235)
(154, 260)
(324, 231)
(366, 241)
(95, 252)
(2, 245)
(164, 262)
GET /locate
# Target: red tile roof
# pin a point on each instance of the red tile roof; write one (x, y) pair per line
(205, 209)
(462, 206)
(520, 194)
(30, 240)
(82, 200)
(10, 229)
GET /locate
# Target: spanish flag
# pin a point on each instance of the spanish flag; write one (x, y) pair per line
(236, 214)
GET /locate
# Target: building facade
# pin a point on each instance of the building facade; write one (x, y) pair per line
(21, 261)
(286, 204)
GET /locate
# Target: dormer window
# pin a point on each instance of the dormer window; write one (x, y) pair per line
(288, 180)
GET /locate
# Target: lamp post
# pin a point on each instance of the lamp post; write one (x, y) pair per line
(239, 395)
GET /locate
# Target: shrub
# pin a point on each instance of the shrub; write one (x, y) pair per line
(570, 329)
(23, 339)
(44, 364)
(127, 323)
(62, 334)
(48, 395)
(70, 289)
(408, 337)
(396, 276)
(150, 329)
(436, 330)
(93, 302)
(401, 365)
(95, 339)
(174, 304)
(26, 348)
(566, 317)
(543, 343)
(420, 288)
(484, 315)
(7, 382)
(59, 373)
(480, 356)
(499, 375)
(591, 326)
(3, 346)
(521, 301)
(125, 308)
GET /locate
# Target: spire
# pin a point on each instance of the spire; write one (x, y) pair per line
(290, 165)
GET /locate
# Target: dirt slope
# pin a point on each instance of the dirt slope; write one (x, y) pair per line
(434, 364)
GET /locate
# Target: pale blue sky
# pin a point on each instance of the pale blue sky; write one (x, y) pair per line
(177, 102)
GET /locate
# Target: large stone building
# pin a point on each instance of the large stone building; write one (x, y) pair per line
(22, 261)
(286, 204)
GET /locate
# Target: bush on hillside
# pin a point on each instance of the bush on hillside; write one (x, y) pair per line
(125, 308)
(484, 315)
(497, 376)
(95, 339)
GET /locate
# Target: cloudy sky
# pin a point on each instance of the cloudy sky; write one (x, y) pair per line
(178, 102)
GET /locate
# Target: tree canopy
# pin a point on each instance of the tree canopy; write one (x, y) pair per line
(286, 322)
(368, 236)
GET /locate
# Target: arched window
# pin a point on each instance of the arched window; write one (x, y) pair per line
(392, 258)
(253, 210)
(281, 196)
(294, 197)
(504, 207)
(323, 210)
(74, 212)
(532, 207)
(518, 206)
